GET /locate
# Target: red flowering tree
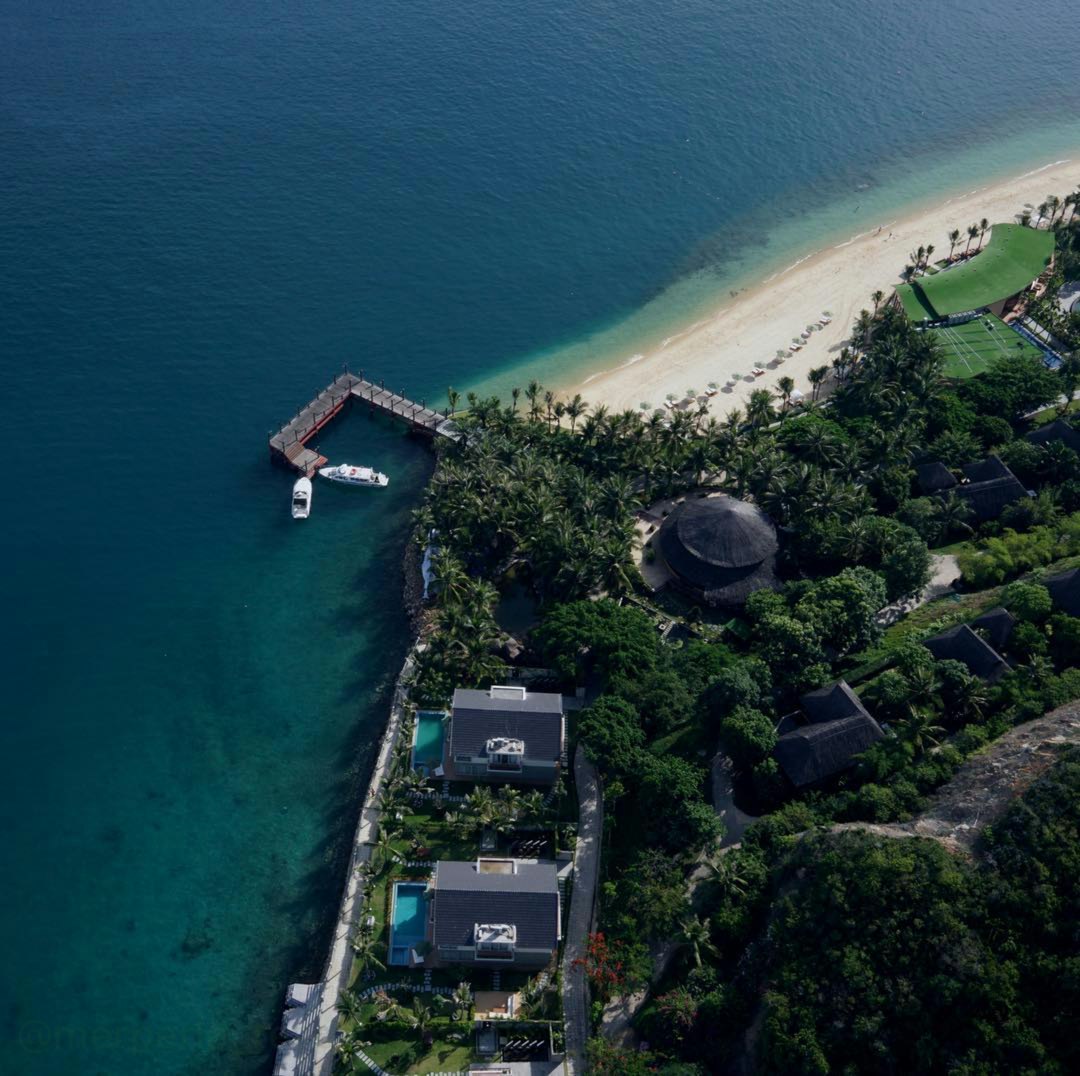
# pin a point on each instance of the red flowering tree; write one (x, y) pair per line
(604, 965)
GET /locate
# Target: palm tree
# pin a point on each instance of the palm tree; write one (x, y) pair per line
(451, 576)
(817, 377)
(973, 232)
(1039, 669)
(363, 945)
(921, 732)
(1054, 204)
(759, 410)
(953, 514)
(348, 1049)
(877, 296)
(454, 397)
(726, 871)
(349, 1006)
(785, 386)
(549, 405)
(954, 238)
(575, 409)
(462, 999)
(695, 934)
(984, 225)
(384, 847)
(515, 394)
(1043, 210)
(864, 327)
(532, 806)
(481, 805)
(930, 248)
(387, 1008)
(421, 1017)
(532, 394)
(971, 697)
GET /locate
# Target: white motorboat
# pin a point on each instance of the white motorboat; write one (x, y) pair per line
(349, 475)
(301, 498)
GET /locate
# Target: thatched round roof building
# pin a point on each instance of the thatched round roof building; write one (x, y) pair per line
(719, 549)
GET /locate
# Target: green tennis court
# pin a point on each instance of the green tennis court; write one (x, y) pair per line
(970, 348)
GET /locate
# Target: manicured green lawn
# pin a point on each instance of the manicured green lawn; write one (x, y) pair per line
(400, 1055)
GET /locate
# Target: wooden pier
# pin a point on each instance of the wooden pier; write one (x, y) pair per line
(289, 444)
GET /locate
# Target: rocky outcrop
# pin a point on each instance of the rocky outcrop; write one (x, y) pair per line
(987, 783)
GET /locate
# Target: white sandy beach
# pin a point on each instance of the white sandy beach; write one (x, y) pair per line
(747, 331)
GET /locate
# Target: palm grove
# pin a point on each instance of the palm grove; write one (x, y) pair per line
(542, 491)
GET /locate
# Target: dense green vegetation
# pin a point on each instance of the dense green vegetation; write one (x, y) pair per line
(541, 493)
(853, 953)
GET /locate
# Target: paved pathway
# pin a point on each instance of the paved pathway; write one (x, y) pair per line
(340, 962)
(582, 907)
(944, 572)
(620, 1012)
(735, 821)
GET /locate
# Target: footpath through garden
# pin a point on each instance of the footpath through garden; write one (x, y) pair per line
(582, 908)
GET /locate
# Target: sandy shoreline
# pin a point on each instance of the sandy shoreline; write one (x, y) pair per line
(747, 330)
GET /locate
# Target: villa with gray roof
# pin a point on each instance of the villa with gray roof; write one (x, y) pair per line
(506, 734)
(502, 913)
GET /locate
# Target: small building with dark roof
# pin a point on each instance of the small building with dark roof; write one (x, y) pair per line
(506, 734)
(963, 645)
(498, 913)
(995, 626)
(934, 477)
(988, 488)
(1058, 430)
(719, 549)
(1065, 591)
(816, 752)
(832, 703)
(825, 735)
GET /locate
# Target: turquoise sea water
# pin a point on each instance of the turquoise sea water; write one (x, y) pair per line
(206, 209)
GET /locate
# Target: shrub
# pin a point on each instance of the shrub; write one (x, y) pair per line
(747, 736)
(1027, 601)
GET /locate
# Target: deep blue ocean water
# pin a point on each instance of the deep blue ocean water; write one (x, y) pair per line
(205, 210)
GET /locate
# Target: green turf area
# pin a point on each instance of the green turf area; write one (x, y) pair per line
(969, 348)
(915, 307)
(1013, 257)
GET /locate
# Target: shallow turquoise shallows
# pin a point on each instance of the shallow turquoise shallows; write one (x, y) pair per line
(428, 742)
(408, 921)
(207, 209)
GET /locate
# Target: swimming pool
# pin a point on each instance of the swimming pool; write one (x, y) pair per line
(428, 741)
(408, 920)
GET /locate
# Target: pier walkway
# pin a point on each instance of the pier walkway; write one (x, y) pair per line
(289, 444)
